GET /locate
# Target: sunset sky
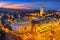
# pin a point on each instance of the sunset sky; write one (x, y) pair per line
(30, 4)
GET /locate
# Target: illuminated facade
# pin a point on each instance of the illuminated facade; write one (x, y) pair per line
(42, 11)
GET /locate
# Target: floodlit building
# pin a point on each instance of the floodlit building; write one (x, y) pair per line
(42, 10)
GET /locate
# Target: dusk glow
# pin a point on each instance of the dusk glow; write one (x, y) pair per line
(30, 4)
(16, 6)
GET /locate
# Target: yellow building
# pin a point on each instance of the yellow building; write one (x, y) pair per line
(42, 11)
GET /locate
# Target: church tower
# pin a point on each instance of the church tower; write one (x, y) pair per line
(42, 11)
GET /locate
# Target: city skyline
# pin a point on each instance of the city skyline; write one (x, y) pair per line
(30, 4)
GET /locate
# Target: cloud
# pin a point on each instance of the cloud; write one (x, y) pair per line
(16, 6)
(2, 3)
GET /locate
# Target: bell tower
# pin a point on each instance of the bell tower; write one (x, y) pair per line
(42, 11)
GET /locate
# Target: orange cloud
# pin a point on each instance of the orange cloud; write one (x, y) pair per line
(15, 6)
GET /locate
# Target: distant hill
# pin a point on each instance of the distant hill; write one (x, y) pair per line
(23, 10)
